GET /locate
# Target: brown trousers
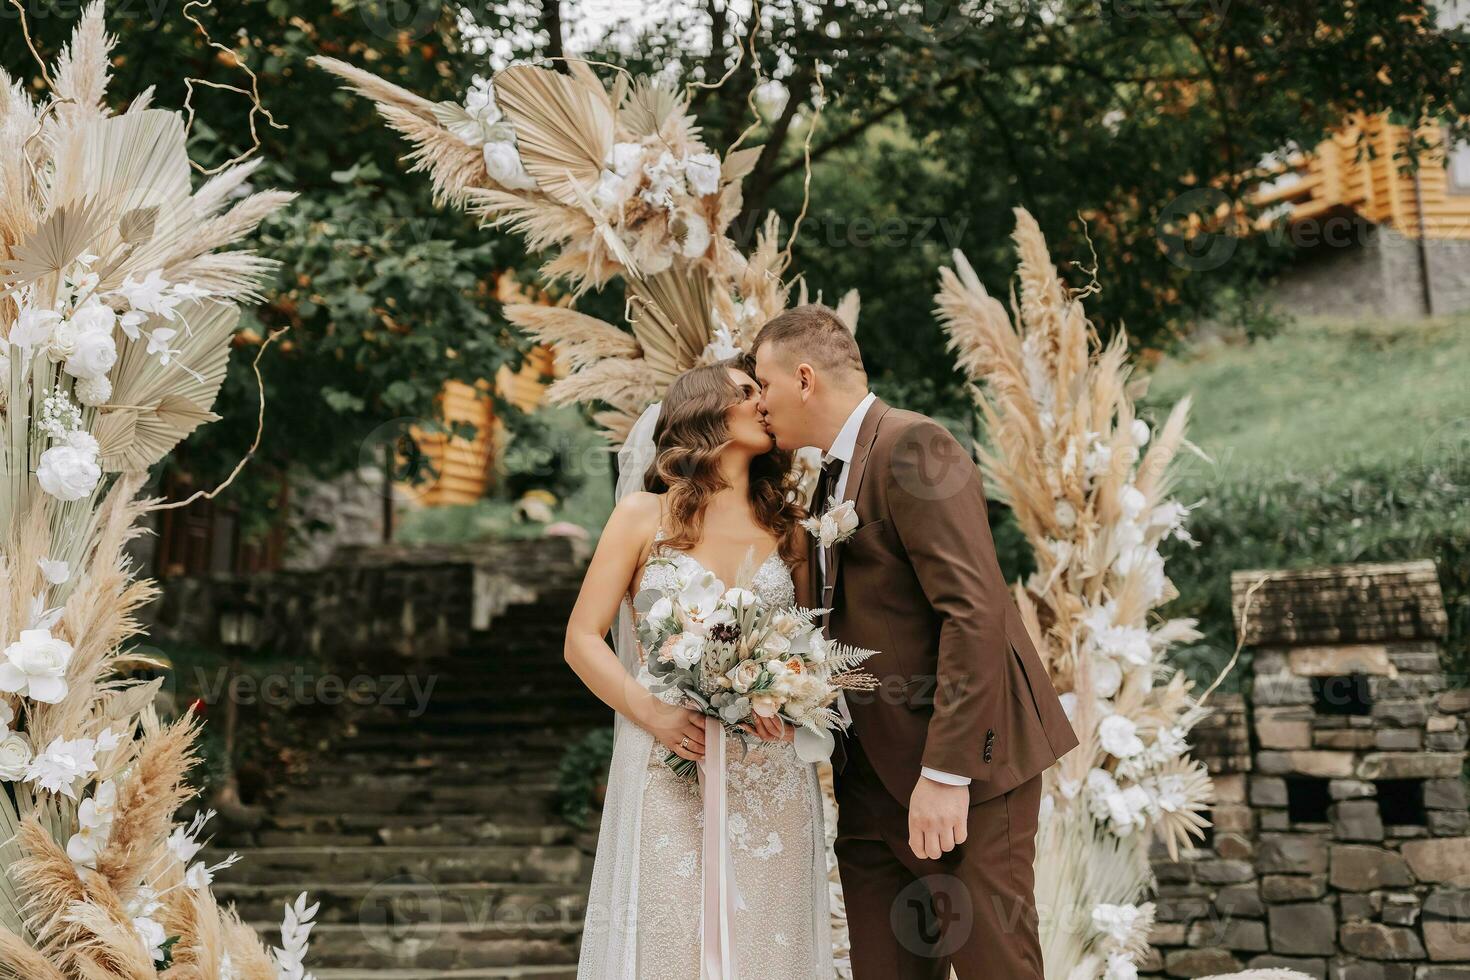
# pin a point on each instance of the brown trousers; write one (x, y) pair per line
(910, 918)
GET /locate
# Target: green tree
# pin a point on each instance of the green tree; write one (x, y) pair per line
(1113, 121)
(387, 295)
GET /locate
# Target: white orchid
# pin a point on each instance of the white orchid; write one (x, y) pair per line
(700, 597)
(55, 572)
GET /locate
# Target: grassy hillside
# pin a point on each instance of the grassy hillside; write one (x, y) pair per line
(1329, 443)
(1325, 394)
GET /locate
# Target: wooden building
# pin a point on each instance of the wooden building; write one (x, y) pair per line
(1376, 235)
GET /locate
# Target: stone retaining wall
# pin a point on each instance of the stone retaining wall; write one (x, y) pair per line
(412, 601)
(1341, 844)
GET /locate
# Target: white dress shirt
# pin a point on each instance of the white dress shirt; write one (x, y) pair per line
(843, 448)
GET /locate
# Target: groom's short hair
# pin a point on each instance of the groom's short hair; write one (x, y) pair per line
(817, 335)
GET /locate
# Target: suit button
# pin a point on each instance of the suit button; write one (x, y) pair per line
(987, 755)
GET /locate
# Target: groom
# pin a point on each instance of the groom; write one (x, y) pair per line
(939, 778)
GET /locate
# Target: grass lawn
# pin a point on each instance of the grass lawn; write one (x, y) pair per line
(1323, 394)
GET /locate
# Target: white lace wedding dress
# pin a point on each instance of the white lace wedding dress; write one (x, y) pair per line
(644, 908)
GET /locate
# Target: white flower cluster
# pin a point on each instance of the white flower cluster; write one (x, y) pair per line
(1121, 929)
(481, 124)
(79, 337)
(837, 523)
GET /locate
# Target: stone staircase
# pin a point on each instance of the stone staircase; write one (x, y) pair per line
(433, 843)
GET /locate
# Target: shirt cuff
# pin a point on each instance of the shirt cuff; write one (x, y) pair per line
(948, 778)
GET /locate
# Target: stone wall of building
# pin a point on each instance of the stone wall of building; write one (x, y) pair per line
(414, 601)
(1354, 268)
(1340, 846)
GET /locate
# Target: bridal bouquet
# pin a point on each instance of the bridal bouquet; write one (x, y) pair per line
(733, 656)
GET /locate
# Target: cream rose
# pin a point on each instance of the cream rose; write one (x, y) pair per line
(15, 756)
(744, 675)
(702, 171)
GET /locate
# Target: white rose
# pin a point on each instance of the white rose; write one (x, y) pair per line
(35, 665)
(696, 236)
(702, 171)
(818, 651)
(1139, 432)
(93, 354)
(744, 675)
(153, 936)
(1118, 736)
(63, 341)
(765, 705)
(1107, 677)
(504, 165)
(776, 645)
(625, 158)
(786, 624)
(1133, 502)
(682, 650)
(68, 474)
(845, 514)
(15, 756)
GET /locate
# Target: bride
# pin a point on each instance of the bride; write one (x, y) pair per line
(716, 494)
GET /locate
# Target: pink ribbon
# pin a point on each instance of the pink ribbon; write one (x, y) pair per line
(721, 898)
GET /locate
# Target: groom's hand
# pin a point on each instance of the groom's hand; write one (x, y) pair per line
(937, 817)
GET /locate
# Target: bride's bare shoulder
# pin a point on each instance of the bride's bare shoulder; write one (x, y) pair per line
(639, 511)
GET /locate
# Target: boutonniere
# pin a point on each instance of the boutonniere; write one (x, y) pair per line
(836, 524)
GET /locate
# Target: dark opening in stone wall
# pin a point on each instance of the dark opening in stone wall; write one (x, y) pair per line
(1342, 694)
(1401, 802)
(1307, 799)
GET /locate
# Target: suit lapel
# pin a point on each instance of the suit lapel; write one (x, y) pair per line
(856, 470)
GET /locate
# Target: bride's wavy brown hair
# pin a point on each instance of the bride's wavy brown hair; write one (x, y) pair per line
(688, 438)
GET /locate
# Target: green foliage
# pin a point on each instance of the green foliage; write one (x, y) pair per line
(1113, 123)
(1329, 443)
(582, 774)
(386, 295)
(1365, 512)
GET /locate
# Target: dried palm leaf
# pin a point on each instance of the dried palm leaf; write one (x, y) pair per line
(580, 340)
(648, 104)
(163, 403)
(56, 243)
(671, 318)
(563, 131)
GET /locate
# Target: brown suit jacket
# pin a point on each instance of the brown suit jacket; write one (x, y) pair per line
(962, 689)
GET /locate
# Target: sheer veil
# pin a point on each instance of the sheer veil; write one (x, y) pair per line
(610, 924)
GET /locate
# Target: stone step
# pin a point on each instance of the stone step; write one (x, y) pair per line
(441, 947)
(505, 973)
(515, 738)
(530, 771)
(441, 865)
(405, 901)
(403, 830)
(531, 723)
(529, 799)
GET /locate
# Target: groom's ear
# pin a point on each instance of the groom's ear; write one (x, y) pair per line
(806, 377)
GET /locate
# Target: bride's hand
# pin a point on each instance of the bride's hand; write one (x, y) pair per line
(677, 728)
(770, 729)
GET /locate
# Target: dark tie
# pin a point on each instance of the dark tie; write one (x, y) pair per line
(826, 479)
